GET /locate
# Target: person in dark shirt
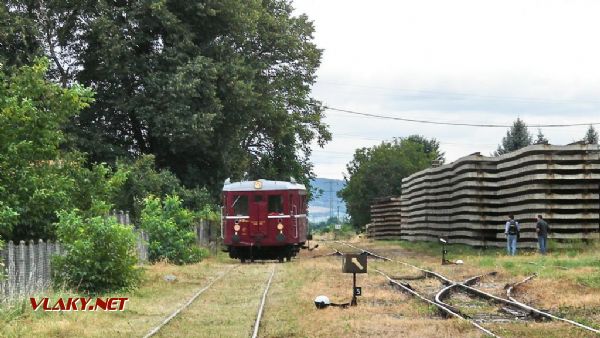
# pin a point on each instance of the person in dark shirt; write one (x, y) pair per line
(542, 229)
(511, 230)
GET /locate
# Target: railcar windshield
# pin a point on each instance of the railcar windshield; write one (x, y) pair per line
(275, 204)
(240, 205)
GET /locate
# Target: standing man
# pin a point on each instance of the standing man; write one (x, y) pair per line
(542, 229)
(511, 230)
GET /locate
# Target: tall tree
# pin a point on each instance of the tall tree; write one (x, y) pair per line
(591, 136)
(36, 179)
(378, 172)
(517, 137)
(212, 88)
(540, 138)
(429, 146)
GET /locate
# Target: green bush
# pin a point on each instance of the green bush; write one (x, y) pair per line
(99, 253)
(169, 227)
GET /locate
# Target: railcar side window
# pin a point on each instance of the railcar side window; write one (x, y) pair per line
(240, 205)
(275, 204)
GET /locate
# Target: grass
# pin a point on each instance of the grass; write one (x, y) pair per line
(147, 306)
(575, 261)
(568, 284)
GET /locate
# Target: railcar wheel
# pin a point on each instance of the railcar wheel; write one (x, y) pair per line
(280, 259)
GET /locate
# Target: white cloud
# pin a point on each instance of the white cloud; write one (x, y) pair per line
(534, 59)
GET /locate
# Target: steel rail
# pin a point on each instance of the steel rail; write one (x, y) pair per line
(511, 301)
(445, 291)
(541, 313)
(446, 309)
(262, 304)
(155, 330)
(334, 253)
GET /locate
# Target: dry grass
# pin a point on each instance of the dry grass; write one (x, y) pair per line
(226, 310)
(229, 308)
(381, 311)
(558, 287)
(147, 306)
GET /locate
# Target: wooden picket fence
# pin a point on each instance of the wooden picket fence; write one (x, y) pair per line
(27, 265)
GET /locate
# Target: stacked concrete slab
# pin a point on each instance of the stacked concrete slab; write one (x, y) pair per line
(468, 201)
(385, 219)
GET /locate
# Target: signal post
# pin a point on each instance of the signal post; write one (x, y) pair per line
(354, 263)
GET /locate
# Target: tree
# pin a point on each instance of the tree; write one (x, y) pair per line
(516, 138)
(541, 139)
(212, 89)
(35, 176)
(143, 179)
(429, 146)
(19, 42)
(378, 172)
(591, 136)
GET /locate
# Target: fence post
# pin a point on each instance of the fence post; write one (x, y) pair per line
(11, 269)
(31, 277)
(41, 273)
(48, 262)
(127, 219)
(20, 267)
(57, 249)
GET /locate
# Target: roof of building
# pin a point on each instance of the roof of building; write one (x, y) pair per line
(262, 185)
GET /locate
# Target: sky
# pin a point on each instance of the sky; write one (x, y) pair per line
(453, 61)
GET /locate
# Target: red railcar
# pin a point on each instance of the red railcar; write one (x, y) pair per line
(264, 219)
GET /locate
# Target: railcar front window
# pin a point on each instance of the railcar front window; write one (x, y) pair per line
(275, 204)
(240, 205)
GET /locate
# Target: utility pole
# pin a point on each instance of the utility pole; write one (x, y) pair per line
(330, 199)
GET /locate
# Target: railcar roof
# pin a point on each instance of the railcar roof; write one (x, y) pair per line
(265, 186)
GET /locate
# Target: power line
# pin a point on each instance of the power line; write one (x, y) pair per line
(463, 94)
(354, 136)
(464, 124)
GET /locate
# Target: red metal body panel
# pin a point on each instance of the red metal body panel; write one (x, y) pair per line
(258, 224)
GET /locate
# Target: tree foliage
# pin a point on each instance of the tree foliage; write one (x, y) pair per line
(517, 137)
(378, 172)
(143, 179)
(540, 138)
(169, 227)
(35, 176)
(212, 88)
(100, 254)
(591, 136)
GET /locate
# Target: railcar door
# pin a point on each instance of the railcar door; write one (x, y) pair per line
(294, 213)
(259, 217)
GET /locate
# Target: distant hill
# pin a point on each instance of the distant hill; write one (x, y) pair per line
(319, 207)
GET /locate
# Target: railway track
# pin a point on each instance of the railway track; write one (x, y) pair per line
(510, 305)
(166, 321)
(180, 311)
(262, 304)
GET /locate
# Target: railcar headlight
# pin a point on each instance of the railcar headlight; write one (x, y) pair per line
(236, 227)
(279, 226)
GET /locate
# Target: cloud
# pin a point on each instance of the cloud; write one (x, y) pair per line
(465, 61)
